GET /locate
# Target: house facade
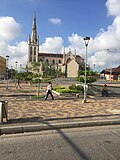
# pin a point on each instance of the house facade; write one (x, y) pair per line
(2, 67)
(112, 73)
(66, 62)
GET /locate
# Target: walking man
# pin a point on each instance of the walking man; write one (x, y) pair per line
(49, 91)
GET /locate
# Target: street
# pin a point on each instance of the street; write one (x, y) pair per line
(91, 143)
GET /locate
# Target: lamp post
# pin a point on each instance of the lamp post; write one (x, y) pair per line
(86, 40)
(20, 67)
(7, 59)
(94, 66)
(16, 72)
(110, 64)
(16, 65)
(11, 72)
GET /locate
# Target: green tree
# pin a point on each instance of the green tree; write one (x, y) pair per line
(90, 76)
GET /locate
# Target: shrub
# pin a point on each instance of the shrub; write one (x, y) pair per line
(72, 89)
(88, 79)
(75, 88)
(58, 88)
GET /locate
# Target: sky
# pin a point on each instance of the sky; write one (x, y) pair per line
(62, 24)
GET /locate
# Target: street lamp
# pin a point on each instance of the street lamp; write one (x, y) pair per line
(16, 65)
(94, 66)
(20, 67)
(86, 40)
(16, 72)
(110, 65)
(11, 72)
(7, 58)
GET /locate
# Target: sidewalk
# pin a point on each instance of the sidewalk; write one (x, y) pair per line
(25, 112)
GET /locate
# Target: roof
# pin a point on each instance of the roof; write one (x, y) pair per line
(108, 70)
(55, 55)
(70, 60)
(117, 69)
(51, 55)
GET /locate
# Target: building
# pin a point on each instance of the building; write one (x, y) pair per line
(68, 63)
(112, 73)
(2, 67)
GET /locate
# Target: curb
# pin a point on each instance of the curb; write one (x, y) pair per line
(55, 126)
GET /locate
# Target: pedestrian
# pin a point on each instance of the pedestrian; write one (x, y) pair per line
(104, 91)
(49, 91)
(18, 84)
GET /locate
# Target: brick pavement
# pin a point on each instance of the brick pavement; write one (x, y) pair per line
(22, 107)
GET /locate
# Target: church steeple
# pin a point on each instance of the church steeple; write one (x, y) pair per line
(33, 43)
(34, 30)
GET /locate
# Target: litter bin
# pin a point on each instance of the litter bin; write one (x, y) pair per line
(3, 110)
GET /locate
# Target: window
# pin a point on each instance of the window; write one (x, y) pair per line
(47, 61)
(34, 50)
(53, 61)
(59, 61)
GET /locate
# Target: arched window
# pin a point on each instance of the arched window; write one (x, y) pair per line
(53, 61)
(47, 61)
(59, 61)
(31, 50)
(30, 56)
(34, 50)
(40, 59)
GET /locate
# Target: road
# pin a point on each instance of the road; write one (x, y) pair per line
(92, 143)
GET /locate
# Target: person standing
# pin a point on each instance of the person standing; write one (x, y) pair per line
(18, 84)
(49, 91)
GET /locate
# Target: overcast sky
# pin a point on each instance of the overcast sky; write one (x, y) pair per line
(62, 24)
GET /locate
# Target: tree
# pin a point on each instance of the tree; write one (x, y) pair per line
(90, 76)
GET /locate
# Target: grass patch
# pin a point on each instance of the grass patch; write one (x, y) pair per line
(23, 91)
(36, 97)
(71, 89)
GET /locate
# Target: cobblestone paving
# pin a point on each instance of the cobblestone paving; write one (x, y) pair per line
(21, 107)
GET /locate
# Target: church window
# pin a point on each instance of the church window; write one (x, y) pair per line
(40, 59)
(34, 50)
(30, 58)
(53, 61)
(47, 61)
(31, 50)
(59, 61)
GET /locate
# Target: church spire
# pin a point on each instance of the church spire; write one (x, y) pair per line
(34, 21)
(34, 30)
(33, 43)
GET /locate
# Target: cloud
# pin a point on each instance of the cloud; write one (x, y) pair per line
(16, 52)
(55, 20)
(52, 45)
(107, 38)
(9, 29)
(113, 7)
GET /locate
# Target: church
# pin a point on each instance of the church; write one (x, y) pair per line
(68, 63)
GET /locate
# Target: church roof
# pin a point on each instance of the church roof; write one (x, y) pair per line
(55, 55)
(51, 55)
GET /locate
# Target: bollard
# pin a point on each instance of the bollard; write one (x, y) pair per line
(1, 116)
(3, 110)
